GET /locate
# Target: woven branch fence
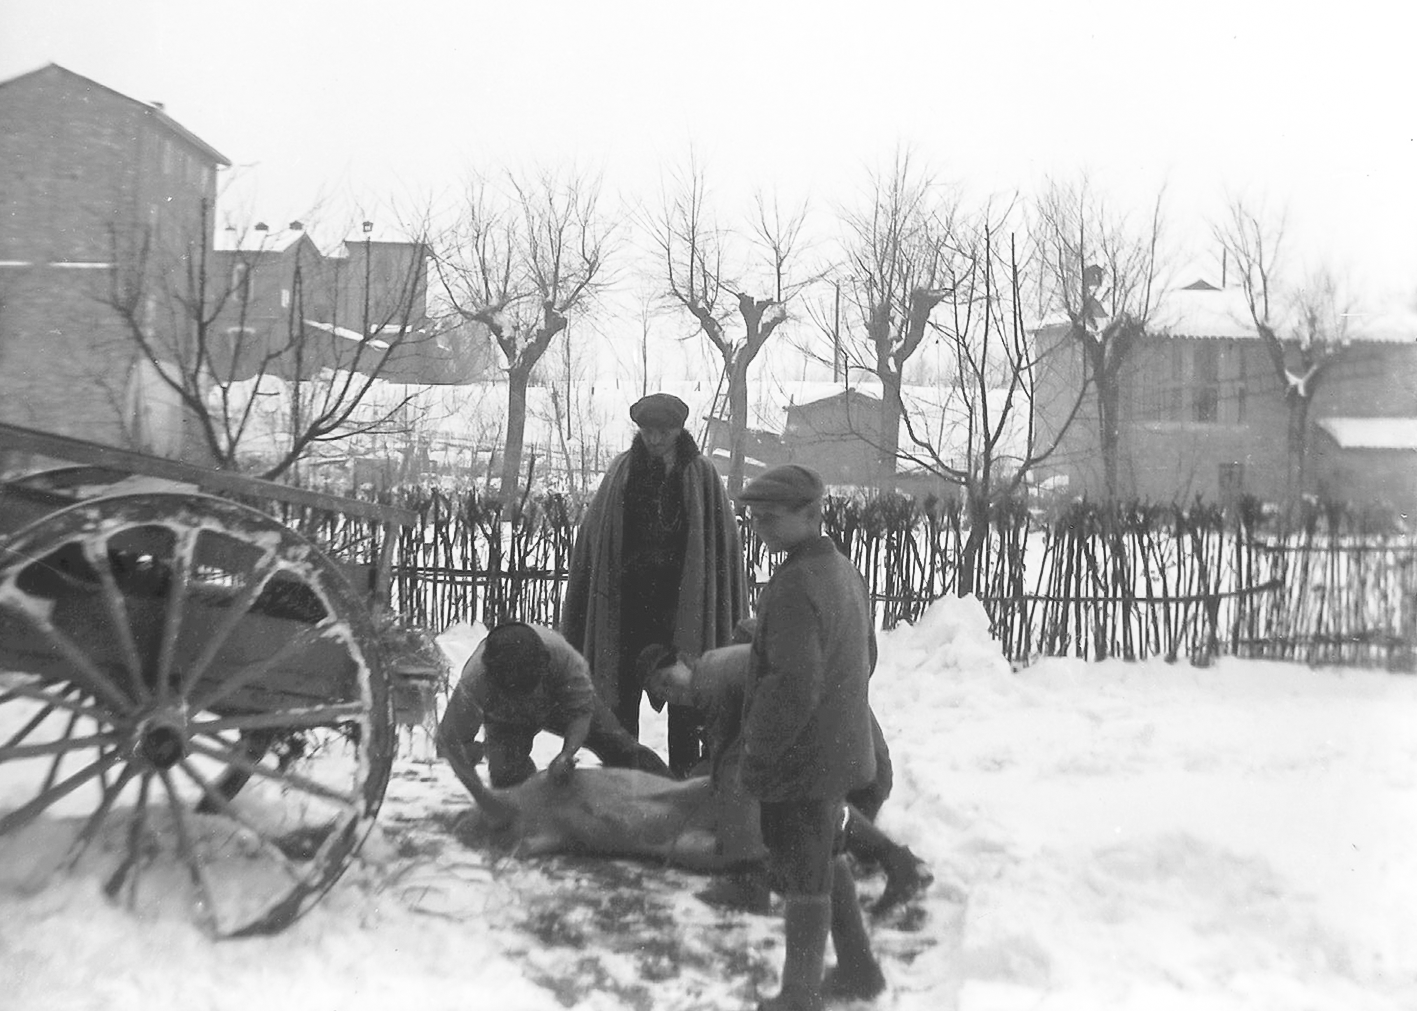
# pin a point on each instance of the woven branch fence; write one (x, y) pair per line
(1133, 581)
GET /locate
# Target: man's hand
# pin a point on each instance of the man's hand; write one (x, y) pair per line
(561, 767)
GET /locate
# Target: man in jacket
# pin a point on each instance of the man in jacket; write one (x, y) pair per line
(656, 559)
(807, 739)
(716, 684)
(523, 679)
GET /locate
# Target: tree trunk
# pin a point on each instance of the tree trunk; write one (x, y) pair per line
(1108, 435)
(969, 554)
(891, 410)
(737, 422)
(518, 377)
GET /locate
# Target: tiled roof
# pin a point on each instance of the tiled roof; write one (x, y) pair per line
(153, 111)
(252, 240)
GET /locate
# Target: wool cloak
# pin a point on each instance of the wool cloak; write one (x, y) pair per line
(713, 592)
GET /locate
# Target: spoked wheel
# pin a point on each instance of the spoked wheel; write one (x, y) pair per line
(192, 703)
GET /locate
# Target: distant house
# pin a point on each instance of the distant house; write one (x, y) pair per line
(88, 176)
(293, 310)
(837, 436)
(1203, 412)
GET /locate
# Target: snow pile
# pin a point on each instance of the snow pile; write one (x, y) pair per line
(1129, 836)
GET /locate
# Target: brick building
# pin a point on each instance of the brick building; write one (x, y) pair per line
(1202, 412)
(90, 178)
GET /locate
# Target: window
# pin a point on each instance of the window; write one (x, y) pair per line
(1205, 383)
(1159, 386)
(1242, 386)
(285, 298)
(241, 282)
(1232, 481)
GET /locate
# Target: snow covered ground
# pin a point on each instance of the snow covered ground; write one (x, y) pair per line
(1144, 836)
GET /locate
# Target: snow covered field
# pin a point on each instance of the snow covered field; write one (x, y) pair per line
(1144, 836)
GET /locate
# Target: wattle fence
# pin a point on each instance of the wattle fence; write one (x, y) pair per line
(1132, 581)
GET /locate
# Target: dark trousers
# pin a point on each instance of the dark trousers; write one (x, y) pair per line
(803, 838)
(509, 748)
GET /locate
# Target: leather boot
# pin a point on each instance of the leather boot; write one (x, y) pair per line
(906, 875)
(807, 924)
(856, 975)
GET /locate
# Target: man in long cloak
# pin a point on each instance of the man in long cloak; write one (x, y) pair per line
(657, 559)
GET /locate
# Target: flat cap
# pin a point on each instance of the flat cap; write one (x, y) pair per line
(790, 484)
(659, 410)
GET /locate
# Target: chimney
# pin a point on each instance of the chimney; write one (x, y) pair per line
(261, 227)
(296, 226)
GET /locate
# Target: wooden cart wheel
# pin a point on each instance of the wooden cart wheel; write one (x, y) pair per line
(148, 642)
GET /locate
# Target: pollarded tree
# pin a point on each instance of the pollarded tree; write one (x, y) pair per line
(522, 260)
(1304, 328)
(898, 258)
(224, 327)
(736, 286)
(1102, 272)
(984, 433)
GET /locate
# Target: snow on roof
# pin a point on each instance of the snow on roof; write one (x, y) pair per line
(1204, 312)
(257, 240)
(347, 334)
(1393, 325)
(1372, 433)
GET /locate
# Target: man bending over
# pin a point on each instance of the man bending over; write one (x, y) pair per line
(523, 679)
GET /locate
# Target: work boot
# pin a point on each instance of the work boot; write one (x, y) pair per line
(807, 922)
(857, 975)
(906, 875)
(745, 889)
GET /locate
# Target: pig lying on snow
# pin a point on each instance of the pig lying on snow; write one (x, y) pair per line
(602, 812)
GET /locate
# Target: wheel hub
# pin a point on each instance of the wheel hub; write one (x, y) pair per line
(161, 741)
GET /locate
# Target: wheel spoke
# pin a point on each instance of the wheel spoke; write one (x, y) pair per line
(256, 581)
(98, 556)
(53, 702)
(136, 824)
(350, 800)
(206, 904)
(285, 719)
(179, 585)
(59, 755)
(46, 694)
(225, 807)
(24, 814)
(240, 679)
(90, 674)
(95, 820)
(9, 752)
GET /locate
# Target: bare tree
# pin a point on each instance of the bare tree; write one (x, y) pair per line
(1304, 329)
(220, 330)
(717, 275)
(1102, 272)
(521, 262)
(898, 256)
(987, 439)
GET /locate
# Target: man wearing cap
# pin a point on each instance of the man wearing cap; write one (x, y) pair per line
(807, 739)
(717, 683)
(656, 559)
(523, 679)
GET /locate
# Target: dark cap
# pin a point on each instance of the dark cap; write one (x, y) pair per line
(659, 410)
(514, 656)
(652, 658)
(791, 485)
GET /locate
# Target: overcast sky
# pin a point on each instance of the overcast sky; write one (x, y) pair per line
(366, 107)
